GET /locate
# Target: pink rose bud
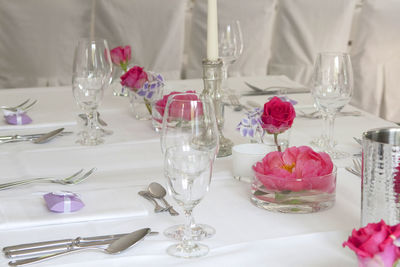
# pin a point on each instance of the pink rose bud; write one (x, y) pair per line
(121, 55)
(278, 116)
(134, 78)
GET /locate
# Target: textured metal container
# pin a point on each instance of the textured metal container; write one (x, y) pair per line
(380, 197)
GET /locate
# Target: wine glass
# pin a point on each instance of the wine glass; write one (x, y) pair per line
(91, 73)
(332, 90)
(190, 143)
(230, 46)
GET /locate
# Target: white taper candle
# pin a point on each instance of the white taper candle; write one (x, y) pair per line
(212, 31)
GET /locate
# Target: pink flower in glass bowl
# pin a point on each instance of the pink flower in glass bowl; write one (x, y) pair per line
(278, 116)
(373, 244)
(296, 169)
(175, 109)
(120, 55)
(134, 78)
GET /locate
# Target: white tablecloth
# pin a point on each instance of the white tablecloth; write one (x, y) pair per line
(131, 157)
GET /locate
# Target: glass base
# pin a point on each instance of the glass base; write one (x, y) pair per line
(225, 147)
(90, 141)
(178, 250)
(199, 232)
(306, 207)
(320, 142)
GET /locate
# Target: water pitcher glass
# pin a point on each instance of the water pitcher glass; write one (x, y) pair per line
(380, 197)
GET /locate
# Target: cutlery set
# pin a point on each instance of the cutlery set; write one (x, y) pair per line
(39, 138)
(317, 115)
(156, 191)
(36, 252)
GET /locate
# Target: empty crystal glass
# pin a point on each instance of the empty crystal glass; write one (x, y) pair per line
(189, 141)
(230, 46)
(92, 69)
(332, 90)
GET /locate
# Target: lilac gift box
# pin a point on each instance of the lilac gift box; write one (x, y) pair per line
(63, 202)
(17, 118)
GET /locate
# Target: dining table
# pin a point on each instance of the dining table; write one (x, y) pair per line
(131, 158)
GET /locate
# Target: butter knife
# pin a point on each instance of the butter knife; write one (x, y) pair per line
(38, 248)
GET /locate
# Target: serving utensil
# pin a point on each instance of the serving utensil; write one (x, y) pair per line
(71, 180)
(157, 207)
(117, 246)
(24, 106)
(55, 246)
(158, 191)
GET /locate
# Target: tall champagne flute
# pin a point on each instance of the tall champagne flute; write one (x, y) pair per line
(230, 46)
(190, 143)
(91, 73)
(332, 90)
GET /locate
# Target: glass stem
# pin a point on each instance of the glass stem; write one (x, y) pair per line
(188, 243)
(91, 123)
(224, 71)
(331, 123)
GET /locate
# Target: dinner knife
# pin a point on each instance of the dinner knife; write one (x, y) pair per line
(24, 137)
(275, 92)
(114, 247)
(33, 249)
(46, 137)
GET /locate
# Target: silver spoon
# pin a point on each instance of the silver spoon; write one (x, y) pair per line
(146, 195)
(158, 191)
(115, 247)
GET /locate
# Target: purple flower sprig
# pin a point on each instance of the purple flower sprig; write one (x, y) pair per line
(250, 125)
(149, 87)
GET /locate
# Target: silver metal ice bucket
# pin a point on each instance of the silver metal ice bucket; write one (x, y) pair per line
(380, 194)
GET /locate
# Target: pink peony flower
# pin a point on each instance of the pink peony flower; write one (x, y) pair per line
(134, 78)
(121, 55)
(175, 110)
(278, 116)
(296, 169)
(373, 244)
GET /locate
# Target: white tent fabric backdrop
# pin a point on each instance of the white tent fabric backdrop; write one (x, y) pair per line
(38, 37)
(305, 27)
(376, 59)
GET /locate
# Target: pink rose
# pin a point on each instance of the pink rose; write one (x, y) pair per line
(373, 244)
(134, 78)
(121, 55)
(278, 116)
(296, 169)
(176, 109)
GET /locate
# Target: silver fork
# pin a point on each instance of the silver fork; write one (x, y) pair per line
(24, 106)
(236, 103)
(70, 180)
(356, 169)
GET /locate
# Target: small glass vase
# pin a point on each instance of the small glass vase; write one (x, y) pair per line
(117, 88)
(280, 142)
(157, 116)
(294, 195)
(142, 99)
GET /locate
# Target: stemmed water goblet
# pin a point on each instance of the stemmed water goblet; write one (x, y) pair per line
(189, 142)
(91, 73)
(230, 46)
(332, 90)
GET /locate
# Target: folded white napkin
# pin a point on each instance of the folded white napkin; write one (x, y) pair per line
(30, 210)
